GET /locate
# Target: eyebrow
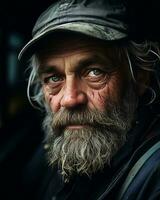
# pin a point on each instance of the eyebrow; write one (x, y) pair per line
(47, 69)
(80, 65)
(94, 59)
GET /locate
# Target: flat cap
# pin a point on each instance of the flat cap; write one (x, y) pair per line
(102, 19)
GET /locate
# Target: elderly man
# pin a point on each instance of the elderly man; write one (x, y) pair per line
(100, 95)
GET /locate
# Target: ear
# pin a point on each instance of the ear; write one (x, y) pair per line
(143, 81)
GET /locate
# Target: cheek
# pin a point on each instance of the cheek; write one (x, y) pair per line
(54, 103)
(98, 99)
(52, 100)
(110, 93)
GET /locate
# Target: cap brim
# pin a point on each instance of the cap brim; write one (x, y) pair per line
(93, 30)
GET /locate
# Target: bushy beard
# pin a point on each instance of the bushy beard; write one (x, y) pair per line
(88, 149)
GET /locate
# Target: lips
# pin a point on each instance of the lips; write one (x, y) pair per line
(76, 126)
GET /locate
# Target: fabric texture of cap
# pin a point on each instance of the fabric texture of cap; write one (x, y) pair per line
(103, 19)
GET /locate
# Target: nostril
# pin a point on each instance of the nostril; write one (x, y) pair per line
(73, 100)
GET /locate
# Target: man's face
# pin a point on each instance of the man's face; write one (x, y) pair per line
(87, 88)
(82, 76)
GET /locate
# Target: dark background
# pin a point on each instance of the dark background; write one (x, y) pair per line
(20, 124)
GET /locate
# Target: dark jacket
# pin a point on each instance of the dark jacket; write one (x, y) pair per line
(40, 182)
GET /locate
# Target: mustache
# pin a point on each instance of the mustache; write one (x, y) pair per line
(85, 116)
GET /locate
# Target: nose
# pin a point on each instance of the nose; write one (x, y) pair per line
(73, 95)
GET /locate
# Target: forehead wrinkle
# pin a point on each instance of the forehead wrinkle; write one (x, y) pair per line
(69, 47)
(76, 60)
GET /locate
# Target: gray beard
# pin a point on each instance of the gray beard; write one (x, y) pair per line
(89, 149)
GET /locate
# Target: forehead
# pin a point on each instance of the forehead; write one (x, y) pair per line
(79, 46)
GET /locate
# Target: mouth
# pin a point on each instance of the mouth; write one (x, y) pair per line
(76, 126)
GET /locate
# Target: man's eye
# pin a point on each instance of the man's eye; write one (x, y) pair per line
(95, 72)
(53, 79)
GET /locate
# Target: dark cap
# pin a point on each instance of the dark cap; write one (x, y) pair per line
(102, 19)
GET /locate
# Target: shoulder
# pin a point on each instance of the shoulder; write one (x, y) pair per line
(143, 179)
